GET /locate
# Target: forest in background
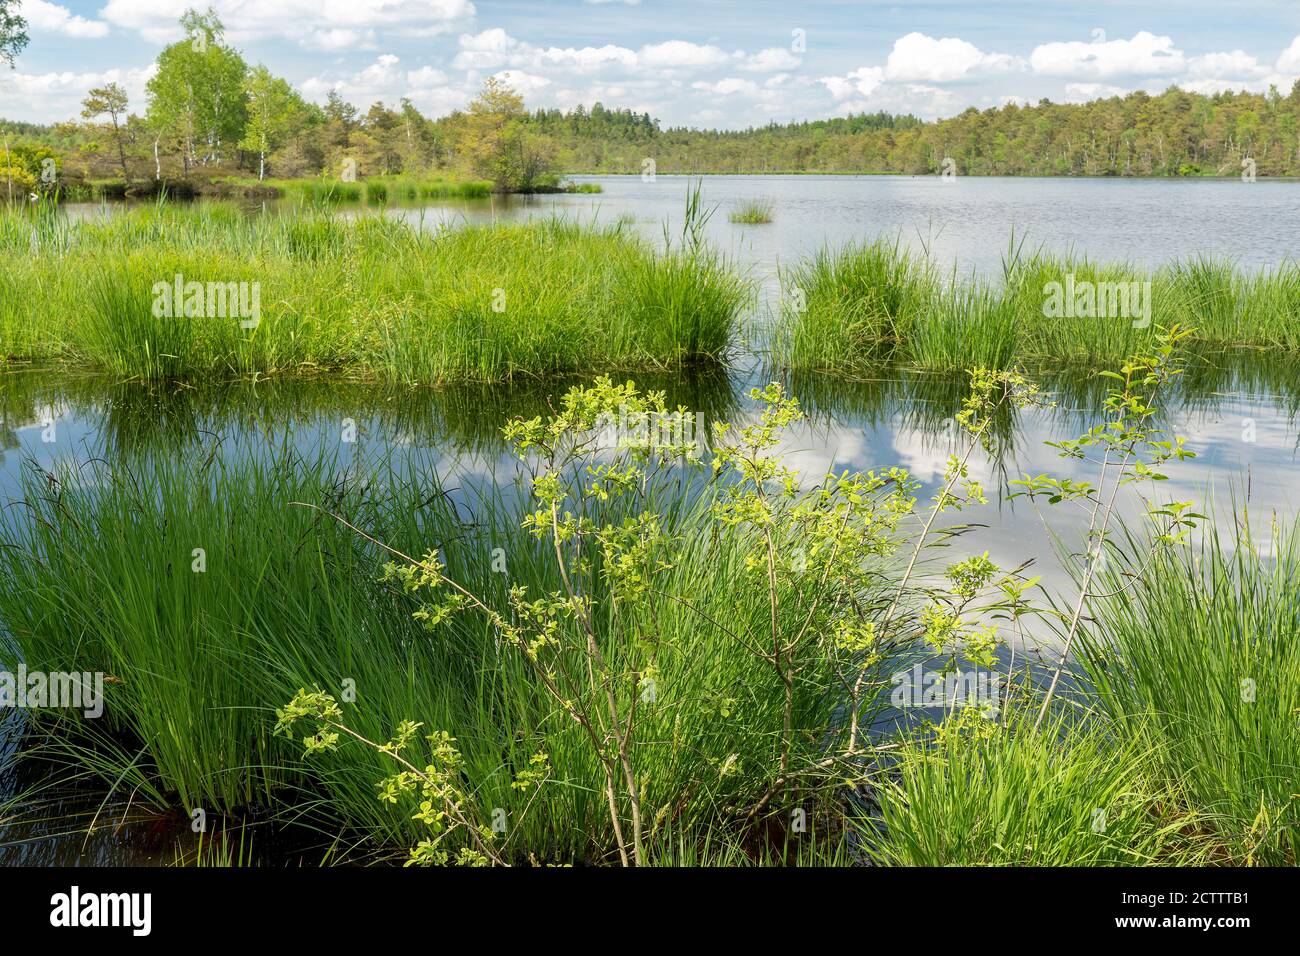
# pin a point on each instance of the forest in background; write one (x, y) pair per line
(1174, 134)
(210, 115)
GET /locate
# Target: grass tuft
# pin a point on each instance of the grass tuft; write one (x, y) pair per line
(1205, 656)
(845, 309)
(754, 212)
(367, 297)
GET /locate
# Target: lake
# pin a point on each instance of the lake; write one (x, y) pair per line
(1238, 411)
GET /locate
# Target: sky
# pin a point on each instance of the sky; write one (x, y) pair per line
(706, 63)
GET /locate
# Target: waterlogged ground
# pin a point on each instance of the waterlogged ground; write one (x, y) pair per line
(1238, 412)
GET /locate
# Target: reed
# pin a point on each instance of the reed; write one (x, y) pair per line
(1005, 794)
(1206, 656)
(845, 309)
(754, 212)
(99, 574)
(850, 309)
(365, 297)
(381, 189)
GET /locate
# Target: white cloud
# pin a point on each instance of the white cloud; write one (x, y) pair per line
(1236, 65)
(52, 18)
(1082, 92)
(43, 97)
(771, 60)
(861, 82)
(905, 82)
(917, 98)
(675, 54)
(329, 41)
(1289, 61)
(494, 48)
(488, 49)
(728, 87)
(866, 90)
(385, 80)
(1144, 55)
(917, 57)
(426, 76)
(588, 59)
(1237, 70)
(525, 84)
(156, 20)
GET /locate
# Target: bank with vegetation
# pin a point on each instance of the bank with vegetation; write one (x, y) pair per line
(208, 115)
(165, 291)
(851, 308)
(657, 653)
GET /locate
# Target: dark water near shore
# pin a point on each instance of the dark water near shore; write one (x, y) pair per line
(1238, 412)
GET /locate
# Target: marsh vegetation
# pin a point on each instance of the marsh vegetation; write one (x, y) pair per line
(846, 309)
(649, 632)
(368, 297)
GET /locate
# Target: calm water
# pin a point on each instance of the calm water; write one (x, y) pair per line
(1239, 414)
(966, 223)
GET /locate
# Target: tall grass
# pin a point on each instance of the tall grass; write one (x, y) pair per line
(1068, 794)
(382, 189)
(368, 297)
(100, 575)
(846, 308)
(753, 212)
(1205, 654)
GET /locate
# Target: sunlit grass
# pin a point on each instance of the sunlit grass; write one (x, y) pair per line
(754, 212)
(1205, 654)
(1004, 794)
(381, 189)
(103, 577)
(844, 309)
(367, 296)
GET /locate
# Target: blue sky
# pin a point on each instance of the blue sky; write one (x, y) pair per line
(718, 63)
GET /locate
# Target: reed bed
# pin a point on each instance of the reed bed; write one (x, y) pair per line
(1179, 744)
(754, 212)
(1071, 793)
(1206, 658)
(100, 574)
(849, 308)
(1161, 756)
(382, 189)
(365, 296)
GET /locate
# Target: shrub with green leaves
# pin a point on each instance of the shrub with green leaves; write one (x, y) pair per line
(806, 619)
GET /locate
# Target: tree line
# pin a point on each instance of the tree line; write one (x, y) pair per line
(1175, 133)
(209, 113)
